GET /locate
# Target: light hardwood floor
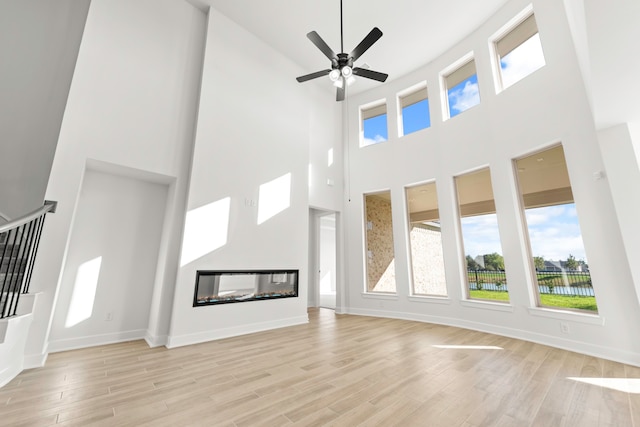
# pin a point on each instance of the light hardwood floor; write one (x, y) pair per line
(337, 370)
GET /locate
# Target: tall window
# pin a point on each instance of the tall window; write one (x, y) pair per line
(519, 51)
(558, 257)
(427, 259)
(461, 86)
(486, 277)
(414, 110)
(379, 253)
(373, 124)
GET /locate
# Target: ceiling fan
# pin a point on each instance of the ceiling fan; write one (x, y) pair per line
(342, 69)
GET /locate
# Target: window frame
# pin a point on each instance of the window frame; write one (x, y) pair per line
(531, 272)
(445, 74)
(369, 111)
(410, 260)
(505, 31)
(461, 245)
(365, 243)
(414, 94)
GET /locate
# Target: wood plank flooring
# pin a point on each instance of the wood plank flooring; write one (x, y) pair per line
(338, 370)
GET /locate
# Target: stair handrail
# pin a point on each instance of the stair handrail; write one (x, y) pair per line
(48, 207)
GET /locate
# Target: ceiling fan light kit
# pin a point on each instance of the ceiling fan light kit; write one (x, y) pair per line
(342, 70)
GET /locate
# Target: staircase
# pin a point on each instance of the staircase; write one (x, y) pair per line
(13, 264)
(19, 240)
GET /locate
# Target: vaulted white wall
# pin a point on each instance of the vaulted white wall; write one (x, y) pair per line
(253, 128)
(548, 107)
(131, 106)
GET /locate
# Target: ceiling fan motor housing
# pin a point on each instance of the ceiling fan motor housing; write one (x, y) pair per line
(344, 60)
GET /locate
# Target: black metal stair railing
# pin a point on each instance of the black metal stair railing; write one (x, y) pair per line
(19, 240)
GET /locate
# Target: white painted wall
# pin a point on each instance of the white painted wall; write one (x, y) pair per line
(326, 184)
(118, 222)
(253, 128)
(132, 104)
(622, 169)
(549, 106)
(612, 34)
(39, 43)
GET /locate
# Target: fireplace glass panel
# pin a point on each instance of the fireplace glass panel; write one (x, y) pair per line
(221, 287)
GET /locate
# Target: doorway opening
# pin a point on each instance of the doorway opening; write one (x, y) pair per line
(327, 261)
(323, 259)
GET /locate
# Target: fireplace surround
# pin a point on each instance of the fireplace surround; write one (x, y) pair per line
(233, 286)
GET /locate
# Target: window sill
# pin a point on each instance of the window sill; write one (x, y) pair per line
(487, 305)
(380, 295)
(429, 299)
(590, 319)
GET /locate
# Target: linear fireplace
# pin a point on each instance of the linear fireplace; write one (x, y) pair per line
(229, 286)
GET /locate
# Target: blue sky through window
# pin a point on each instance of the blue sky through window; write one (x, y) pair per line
(375, 129)
(463, 96)
(554, 233)
(522, 61)
(416, 117)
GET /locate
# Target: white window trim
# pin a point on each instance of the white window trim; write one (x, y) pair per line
(380, 295)
(402, 94)
(572, 316)
(444, 90)
(487, 305)
(434, 299)
(362, 116)
(498, 35)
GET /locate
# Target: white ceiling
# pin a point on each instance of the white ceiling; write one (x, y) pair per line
(415, 31)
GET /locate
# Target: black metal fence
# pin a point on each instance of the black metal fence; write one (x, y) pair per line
(570, 283)
(19, 242)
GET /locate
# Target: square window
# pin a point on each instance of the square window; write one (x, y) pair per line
(519, 52)
(462, 89)
(414, 110)
(373, 125)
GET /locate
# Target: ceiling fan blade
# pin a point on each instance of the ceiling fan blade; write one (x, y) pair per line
(366, 43)
(312, 76)
(340, 93)
(324, 47)
(370, 74)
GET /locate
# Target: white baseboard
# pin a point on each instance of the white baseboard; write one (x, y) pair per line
(156, 341)
(216, 334)
(613, 354)
(32, 361)
(95, 340)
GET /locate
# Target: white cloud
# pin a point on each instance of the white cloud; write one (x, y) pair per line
(376, 139)
(481, 235)
(554, 232)
(464, 98)
(522, 61)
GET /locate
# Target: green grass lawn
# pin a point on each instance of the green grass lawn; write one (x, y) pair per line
(566, 301)
(559, 301)
(490, 295)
